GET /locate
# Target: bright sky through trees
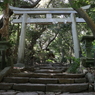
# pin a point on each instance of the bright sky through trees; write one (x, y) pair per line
(66, 1)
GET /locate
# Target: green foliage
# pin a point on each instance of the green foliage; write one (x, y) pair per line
(74, 66)
(50, 61)
(80, 3)
(3, 4)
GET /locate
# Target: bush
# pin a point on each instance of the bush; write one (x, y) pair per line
(74, 66)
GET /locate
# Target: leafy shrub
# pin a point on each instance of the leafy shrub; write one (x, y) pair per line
(73, 66)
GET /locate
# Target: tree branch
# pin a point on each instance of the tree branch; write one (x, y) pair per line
(85, 16)
(51, 40)
(31, 6)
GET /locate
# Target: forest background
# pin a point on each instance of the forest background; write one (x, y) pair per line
(45, 43)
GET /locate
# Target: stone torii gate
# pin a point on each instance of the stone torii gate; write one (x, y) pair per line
(26, 17)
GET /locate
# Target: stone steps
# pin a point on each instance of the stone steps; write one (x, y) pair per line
(44, 80)
(48, 71)
(72, 88)
(47, 75)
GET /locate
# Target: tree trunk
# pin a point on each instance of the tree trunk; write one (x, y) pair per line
(85, 16)
(4, 28)
(4, 21)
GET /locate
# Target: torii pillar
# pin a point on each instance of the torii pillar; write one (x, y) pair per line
(22, 42)
(75, 36)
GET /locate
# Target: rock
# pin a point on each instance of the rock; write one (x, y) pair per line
(8, 93)
(27, 93)
(90, 77)
(91, 88)
(40, 93)
(4, 72)
(87, 93)
(50, 93)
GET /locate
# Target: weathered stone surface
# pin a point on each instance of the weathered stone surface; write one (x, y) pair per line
(80, 80)
(48, 71)
(58, 93)
(90, 77)
(91, 88)
(8, 93)
(67, 87)
(66, 80)
(28, 68)
(16, 79)
(85, 93)
(4, 72)
(50, 93)
(49, 81)
(48, 75)
(40, 93)
(32, 75)
(22, 74)
(27, 93)
(47, 93)
(5, 86)
(42, 75)
(54, 68)
(29, 87)
(43, 80)
(63, 75)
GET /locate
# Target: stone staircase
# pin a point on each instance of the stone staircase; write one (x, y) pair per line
(44, 78)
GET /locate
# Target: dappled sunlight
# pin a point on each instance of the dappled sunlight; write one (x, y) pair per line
(43, 3)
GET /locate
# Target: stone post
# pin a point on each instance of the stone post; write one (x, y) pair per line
(22, 42)
(75, 36)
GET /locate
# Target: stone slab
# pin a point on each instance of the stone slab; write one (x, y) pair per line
(22, 74)
(32, 75)
(40, 93)
(72, 88)
(72, 80)
(85, 93)
(80, 80)
(48, 71)
(5, 86)
(48, 75)
(50, 93)
(63, 75)
(8, 93)
(4, 72)
(16, 79)
(43, 80)
(29, 87)
(41, 75)
(66, 80)
(50, 67)
(27, 93)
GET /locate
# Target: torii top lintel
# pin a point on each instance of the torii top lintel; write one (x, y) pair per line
(46, 9)
(48, 12)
